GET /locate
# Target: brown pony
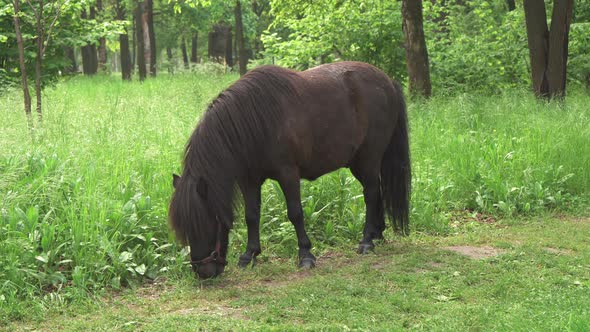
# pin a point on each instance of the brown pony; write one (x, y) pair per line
(275, 123)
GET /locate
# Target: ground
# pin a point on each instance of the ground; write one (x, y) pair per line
(526, 274)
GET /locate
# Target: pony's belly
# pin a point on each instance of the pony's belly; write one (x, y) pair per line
(327, 162)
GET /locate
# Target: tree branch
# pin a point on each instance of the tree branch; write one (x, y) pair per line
(33, 9)
(57, 14)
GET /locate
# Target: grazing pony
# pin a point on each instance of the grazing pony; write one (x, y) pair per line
(275, 123)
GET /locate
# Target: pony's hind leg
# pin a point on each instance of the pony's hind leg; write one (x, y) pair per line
(374, 222)
(252, 206)
(289, 182)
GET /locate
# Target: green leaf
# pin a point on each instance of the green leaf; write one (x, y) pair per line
(41, 259)
(140, 269)
(125, 256)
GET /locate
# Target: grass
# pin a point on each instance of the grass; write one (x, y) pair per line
(540, 281)
(83, 212)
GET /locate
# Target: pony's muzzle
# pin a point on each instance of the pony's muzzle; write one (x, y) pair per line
(209, 270)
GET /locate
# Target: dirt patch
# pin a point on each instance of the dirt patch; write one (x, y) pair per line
(465, 216)
(213, 309)
(475, 252)
(152, 290)
(582, 220)
(558, 251)
(379, 266)
(288, 279)
(575, 220)
(431, 266)
(335, 260)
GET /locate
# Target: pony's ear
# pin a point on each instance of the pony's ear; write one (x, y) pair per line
(175, 179)
(202, 188)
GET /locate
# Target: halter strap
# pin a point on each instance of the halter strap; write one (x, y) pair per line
(215, 255)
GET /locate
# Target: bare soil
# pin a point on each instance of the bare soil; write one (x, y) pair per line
(475, 252)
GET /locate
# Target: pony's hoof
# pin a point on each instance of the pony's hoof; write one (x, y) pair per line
(307, 263)
(366, 248)
(245, 261)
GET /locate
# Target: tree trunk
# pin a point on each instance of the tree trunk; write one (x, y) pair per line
(126, 65)
(84, 49)
(229, 57)
(89, 57)
(537, 32)
(548, 48)
(258, 9)
(92, 50)
(184, 53)
(69, 51)
(242, 54)
(558, 46)
(210, 41)
(23, 68)
(416, 52)
(170, 65)
(152, 36)
(102, 44)
(511, 5)
(39, 59)
(194, 41)
(141, 68)
(134, 45)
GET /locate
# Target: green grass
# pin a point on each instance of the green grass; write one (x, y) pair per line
(539, 282)
(83, 206)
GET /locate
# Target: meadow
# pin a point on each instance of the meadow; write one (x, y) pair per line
(83, 217)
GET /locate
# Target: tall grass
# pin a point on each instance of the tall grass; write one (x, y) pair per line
(83, 205)
(500, 155)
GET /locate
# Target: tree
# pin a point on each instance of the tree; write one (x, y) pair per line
(194, 41)
(170, 59)
(126, 65)
(184, 53)
(242, 54)
(141, 68)
(89, 55)
(416, 52)
(261, 10)
(548, 49)
(45, 33)
(151, 35)
(44, 21)
(304, 34)
(23, 69)
(220, 44)
(511, 5)
(44, 25)
(102, 43)
(71, 55)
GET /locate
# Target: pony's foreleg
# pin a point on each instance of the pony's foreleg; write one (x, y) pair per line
(291, 188)
(252, 206)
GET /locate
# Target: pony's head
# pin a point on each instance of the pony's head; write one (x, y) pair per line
(193, 218)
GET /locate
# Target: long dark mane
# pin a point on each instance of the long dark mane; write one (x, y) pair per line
(225, 144)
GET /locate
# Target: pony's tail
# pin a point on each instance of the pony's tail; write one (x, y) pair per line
(396, 178)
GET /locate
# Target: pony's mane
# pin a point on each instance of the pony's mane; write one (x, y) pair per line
(227, 141)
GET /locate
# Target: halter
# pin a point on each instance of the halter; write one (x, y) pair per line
(215, 256)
